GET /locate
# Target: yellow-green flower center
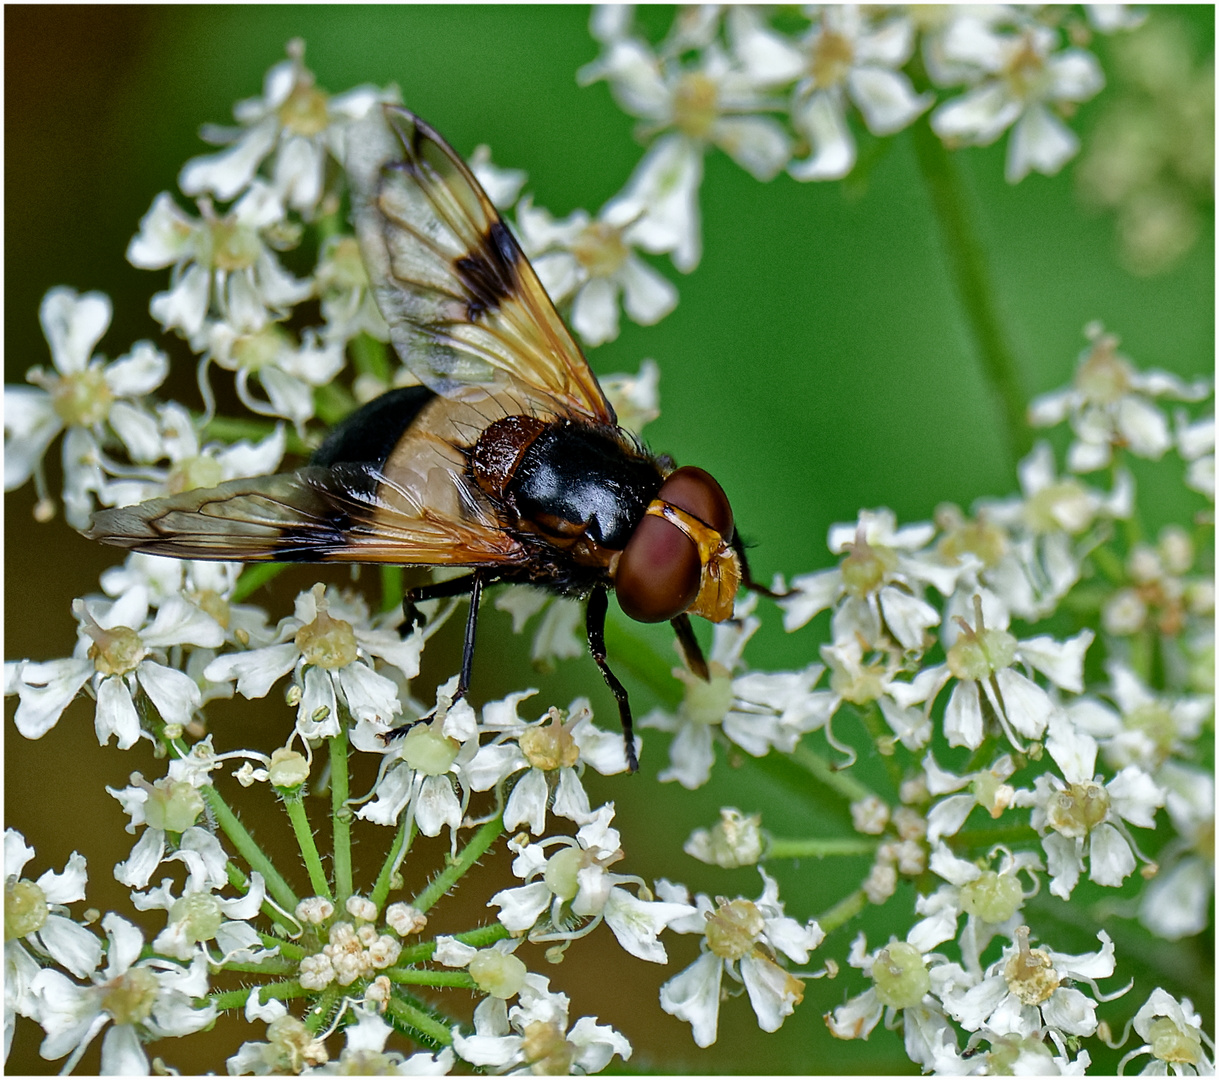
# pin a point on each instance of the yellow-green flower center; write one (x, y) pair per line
(260, 348)
(305, 111)
(1025, 72)
(1076, 811)
(900, 975)
(1104, 377)
(696, 105)
(129, 998)
(976, 656)
(547, 1049)
(600, 249)
(1030, 973)
(115, 651)
(428, 750)
(231, 246)
(327, 642)
(172, 805)
(866, 566)
(82, 398)
(733, 928)
(499, 974)
(993, 897)
(549, 746)
(25, 909)
(1169, 1043)
(200, 915)
(830, 59)
(190, 473)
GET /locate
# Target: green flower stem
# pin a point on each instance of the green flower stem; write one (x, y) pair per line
(843, 911)
(402, 843)
(269, 967)
(288, 949)
(417, 977)
(340, 791)
(254, 577)
(248, 848)
(837, 780)
(322, 1010)
(479, 939)
(967, 266)
(294, 802)
(451, 874)
(391, 587)
(236, 999)
(968, 840)
(416, 1019)
(815, 847)
(230, 428)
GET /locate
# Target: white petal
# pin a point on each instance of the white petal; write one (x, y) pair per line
(886, 99)
(1061, 662)
(116, 713)
(820, 119)
(963, 717)
(136, 870)
(979, 116)
(45, 690)
(436, 806)
(520, 907)
(229, 172)
(184, 305)
(123, 1053)
(1039, 141)
(1027, 706)
(594, 313)
(1177, 903)
(1062, 858)
(773, 992)
(71, 945)
(256, 671)
(1135, 796)
(73, 326)
(1070, 1011)
(174, 693)
(636, 923)
(527, 803)
(757, 143)
(693, 995)
(648, 295)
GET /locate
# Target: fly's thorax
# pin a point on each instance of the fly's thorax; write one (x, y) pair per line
(581, 486)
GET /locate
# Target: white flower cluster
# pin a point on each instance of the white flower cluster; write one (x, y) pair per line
(729, 76)
(1069, 736)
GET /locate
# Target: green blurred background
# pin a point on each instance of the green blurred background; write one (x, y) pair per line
(818, 362)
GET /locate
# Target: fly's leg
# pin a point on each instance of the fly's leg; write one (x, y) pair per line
(690, 647)
(595, 623)
(738, 545)
(436, 590)
(473, 584)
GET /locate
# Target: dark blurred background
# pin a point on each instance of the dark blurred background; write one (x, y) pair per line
(818, 362)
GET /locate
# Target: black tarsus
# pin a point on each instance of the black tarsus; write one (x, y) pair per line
(598, 604)
(476, 580)
(690, 647)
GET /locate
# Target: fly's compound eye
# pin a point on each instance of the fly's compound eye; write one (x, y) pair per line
(660, 571)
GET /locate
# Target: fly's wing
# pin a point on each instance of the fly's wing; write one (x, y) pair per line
(348, 512)
(466, 311)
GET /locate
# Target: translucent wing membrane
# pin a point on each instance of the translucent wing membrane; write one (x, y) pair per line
(466, 311)
(351, 512)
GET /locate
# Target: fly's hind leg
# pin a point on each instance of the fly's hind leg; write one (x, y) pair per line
(595, 624)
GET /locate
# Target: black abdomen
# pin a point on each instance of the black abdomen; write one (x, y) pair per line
(575, 478)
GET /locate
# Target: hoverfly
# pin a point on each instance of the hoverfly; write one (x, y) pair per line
(508, 459)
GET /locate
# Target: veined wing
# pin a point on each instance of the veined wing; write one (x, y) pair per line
(466, 311)
(348, 512)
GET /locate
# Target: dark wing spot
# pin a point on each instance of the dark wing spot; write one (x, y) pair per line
(489, 274)
(371, 432)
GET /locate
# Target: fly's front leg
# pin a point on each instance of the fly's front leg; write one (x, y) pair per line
(595, 623)
(747, 579)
